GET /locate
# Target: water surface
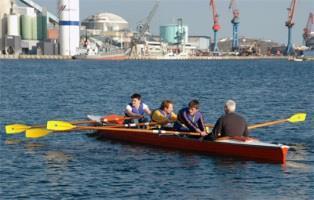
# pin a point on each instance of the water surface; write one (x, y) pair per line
(76, 166)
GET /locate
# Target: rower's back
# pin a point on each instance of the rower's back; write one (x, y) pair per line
(232, 124)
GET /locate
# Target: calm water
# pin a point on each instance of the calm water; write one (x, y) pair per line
(75, 166)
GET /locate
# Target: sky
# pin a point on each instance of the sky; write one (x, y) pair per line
(261, 19)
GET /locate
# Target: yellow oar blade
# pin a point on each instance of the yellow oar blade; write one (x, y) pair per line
(298, 117)
(59, 125)
(16, 128)
(36, 133)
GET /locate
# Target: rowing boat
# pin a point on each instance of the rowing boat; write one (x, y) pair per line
(241, 147)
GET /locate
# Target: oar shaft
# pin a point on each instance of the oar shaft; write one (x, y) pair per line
(101, 128)
(132, 125)
(271, 123)
(83, 122)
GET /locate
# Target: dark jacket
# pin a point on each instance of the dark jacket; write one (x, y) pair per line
(230, 124)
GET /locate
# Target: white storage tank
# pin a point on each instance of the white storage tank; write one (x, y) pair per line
(13, 25)
(5, 6)
(69, 27)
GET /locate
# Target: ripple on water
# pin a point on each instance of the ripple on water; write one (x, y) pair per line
(75, 166)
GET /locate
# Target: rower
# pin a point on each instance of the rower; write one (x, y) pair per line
(190, 119)
(230, 124)
(136, 109)
(164, 116)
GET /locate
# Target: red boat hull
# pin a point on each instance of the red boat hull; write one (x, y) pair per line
(249, 150)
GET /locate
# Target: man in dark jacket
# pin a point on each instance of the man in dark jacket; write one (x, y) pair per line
(231, 123)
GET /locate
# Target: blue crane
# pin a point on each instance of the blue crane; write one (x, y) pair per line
(289, 24)
(235, 22)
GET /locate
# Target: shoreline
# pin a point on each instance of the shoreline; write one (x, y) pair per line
(60, 57)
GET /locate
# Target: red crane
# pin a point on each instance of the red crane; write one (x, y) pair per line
(308, 27)
(216, 25)
(289, 24)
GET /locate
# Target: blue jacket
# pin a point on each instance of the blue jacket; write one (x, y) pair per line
(186, 121)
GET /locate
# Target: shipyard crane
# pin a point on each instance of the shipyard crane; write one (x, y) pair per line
(308, 27)
(143, 27)
(181, 32)
(216, 26)
(289, 24)
(142, 30)
(235, 22)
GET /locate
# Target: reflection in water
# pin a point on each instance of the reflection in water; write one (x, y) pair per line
(12, 141)
(56, 167)
(32, 147)
(298, 152)
(54, 157)
(299, 166)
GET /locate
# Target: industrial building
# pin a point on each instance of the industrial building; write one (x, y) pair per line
(28, 28)
(105, 22)
(105, 33)
(174, 34)
(200, 42)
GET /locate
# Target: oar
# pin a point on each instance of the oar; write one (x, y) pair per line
(66, 126)
(40, 132)
(19, 128)
(298, 117)
(36, 132)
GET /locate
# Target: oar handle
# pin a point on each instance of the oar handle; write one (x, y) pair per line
(209, 125)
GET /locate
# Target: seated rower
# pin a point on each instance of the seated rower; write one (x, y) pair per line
(190, 119)
(230, 124)
(164, 116)
(136, 109)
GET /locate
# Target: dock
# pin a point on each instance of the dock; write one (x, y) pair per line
(36, 57)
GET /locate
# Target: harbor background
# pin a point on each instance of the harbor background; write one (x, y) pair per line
(156, 29)
(76, 166)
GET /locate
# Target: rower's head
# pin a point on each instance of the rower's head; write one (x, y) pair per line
(167, 106)
(194, 106)
(136, 100)
(230, 106)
